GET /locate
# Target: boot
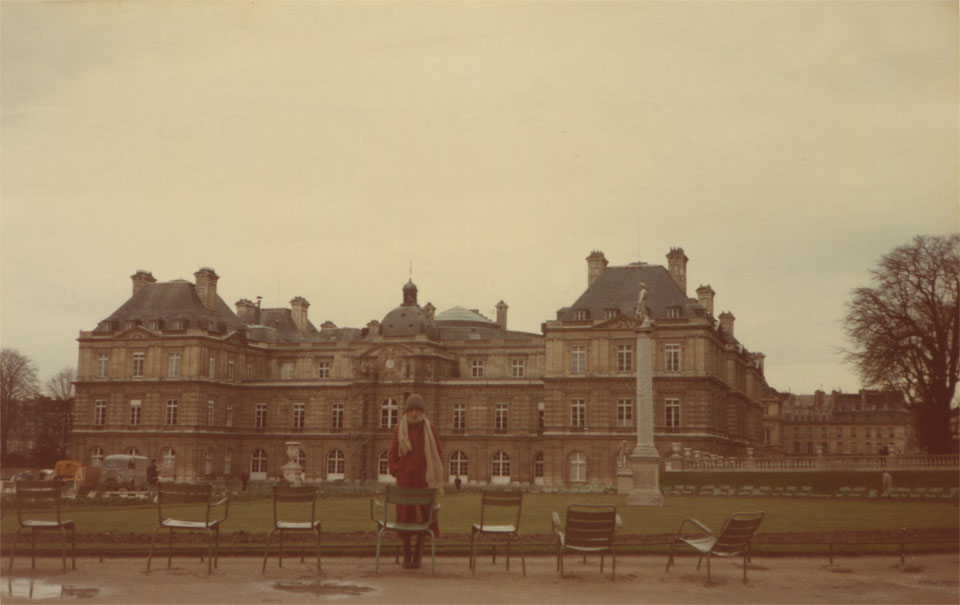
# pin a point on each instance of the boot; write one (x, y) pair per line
(416, 552)
(407, 557)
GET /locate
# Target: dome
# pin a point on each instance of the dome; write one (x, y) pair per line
(464, 318)
(408, 319)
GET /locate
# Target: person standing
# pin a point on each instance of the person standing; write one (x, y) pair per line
(415, 458)
(244, 479)
(153, 474)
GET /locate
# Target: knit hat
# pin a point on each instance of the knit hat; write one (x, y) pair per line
(414, 402)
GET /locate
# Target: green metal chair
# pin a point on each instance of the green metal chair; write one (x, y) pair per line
(407, 496)
(732, 540)
(285, 499)
(192, 501)
(35, 495)
(499, 515)
(587, 530)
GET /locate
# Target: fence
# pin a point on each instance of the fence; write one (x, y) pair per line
(815, 463)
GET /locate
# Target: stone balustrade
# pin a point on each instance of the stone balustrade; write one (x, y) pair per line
(814, 463)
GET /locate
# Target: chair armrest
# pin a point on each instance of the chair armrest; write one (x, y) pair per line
(698, 524)
(619, 523)
(374, 502)
(226, 507)
(557, 527)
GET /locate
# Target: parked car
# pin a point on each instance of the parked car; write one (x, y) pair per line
(123, 470)
(65, 470)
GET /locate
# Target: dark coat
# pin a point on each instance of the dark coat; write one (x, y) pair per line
(411, 471)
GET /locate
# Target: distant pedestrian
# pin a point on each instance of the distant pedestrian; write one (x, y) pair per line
(244, 479)
(457, 482)
(153, 474)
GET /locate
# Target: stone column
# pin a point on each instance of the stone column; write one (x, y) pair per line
(645, 460)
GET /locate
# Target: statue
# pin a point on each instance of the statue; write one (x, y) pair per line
(622, 451)
(641, 311)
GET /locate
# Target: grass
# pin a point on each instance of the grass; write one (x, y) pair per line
(822, 482)
(460, 510)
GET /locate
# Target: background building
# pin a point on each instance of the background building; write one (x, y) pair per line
(175, 374)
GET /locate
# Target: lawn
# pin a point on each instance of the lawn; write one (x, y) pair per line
(459, 510)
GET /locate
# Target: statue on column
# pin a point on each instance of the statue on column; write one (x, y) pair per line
(641, 312)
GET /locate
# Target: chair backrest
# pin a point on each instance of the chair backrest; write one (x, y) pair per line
(286, 494)
(180, 495)
(409, 496)
(500, 500)
(590, 526)
(736, 533)
(39, 495)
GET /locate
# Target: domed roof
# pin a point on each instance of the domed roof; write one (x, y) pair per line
(461, 317)
(408, 319)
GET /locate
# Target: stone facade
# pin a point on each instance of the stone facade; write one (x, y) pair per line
(176, 375)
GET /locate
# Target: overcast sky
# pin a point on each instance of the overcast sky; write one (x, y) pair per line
(320, 149)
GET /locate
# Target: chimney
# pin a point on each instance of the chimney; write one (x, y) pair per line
(298, 308)
(429, 309)
(207, 287)
(502, 315)
(677, 265)
(705, 295)
(248, 311)
(726, 321)
(141, 278)
(596, 264)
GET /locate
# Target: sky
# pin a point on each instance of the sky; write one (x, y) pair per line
(333, 150)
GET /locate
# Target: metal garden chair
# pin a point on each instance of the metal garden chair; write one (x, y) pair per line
(732, 540)
(407, 496)
(41, 496)
(587, 530)
(499, 514)
(192, 501)
(291, 496)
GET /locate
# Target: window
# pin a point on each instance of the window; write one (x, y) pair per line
(624, 358)
(389, 412)
(212, 366)
(538, 466)
(298, 415)
(154, 324)
(867, 435)
(766, 436)
(500, 470)
(890, 432)
(208, 462)
(796, 432)
(610, 313)
(459, 416)
(286, 371)
(672, 357)
(500, 414)
(210, 413)
(302, 460)
(823, 432)
(578, 359)
(179, 324)
(867, 448)
(671, 408)
(335, 465)
(578, 413)
(138, 365)
(578, 467)
(673, 312)
(624, 412)
(383, 464)
(518, 367)
(249, 375)
(260, 418)
(227, 462)
(809, 432)
(336, 416)
(853, 447)
(230, 370)
(100, 412)
(173, 364)
(853, 431)
(131, 451)
(228, 419)
(168, 462)
(839, 447)
(258, 463)
(172, 405)
(102, 360)
(476, 368)
(135, 411)
(96, 457)
(796, 447)
(458, 464)
(323, 369)
(839, 431)
(580, 315)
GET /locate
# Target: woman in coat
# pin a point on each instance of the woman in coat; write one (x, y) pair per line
(416, 460)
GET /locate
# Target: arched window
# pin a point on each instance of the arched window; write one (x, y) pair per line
(383, 469)
(335, 465)
(96, 457)
(168, 461)
(227, 462)
(500, 471)
(258, 465)
(538, 469)
(132, 451)
(389, 412)
(578, 467)
(458, 465)
(208, 462)
(302, 460)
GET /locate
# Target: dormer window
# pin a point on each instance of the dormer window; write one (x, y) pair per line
(107, 326)
(610, 313)
(673, 312)
(155, 324)
(132, 323)
(580, 315)
(179, 324)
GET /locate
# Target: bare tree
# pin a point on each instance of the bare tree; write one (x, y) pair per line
(57, 412)
(60, 385)
(906, 331)
(18, 384)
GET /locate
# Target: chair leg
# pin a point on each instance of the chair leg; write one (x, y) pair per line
(433, 553)
(670, 558)
(73, 551)
(708, 571)
(318, 550)
(170, 549)
(473, 551)
(33, 548)
(150, 555)
(602, 557)
(523, 561)
(280, 554)
(744, 567)
(63, 548)
(216, 549)
(508, 552)
(376, 566)
(266, 550)
(209, 551)
(13, 550)
(613, 555)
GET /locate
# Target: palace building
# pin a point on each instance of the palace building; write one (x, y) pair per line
(175, 374)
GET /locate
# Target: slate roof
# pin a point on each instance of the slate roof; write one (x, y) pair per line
(619, 287)
(172, 300)
(458, 316)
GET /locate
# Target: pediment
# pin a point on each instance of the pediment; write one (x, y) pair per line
(620, 322)
(137, 333)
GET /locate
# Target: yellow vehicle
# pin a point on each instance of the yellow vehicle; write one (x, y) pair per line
(66, 470)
